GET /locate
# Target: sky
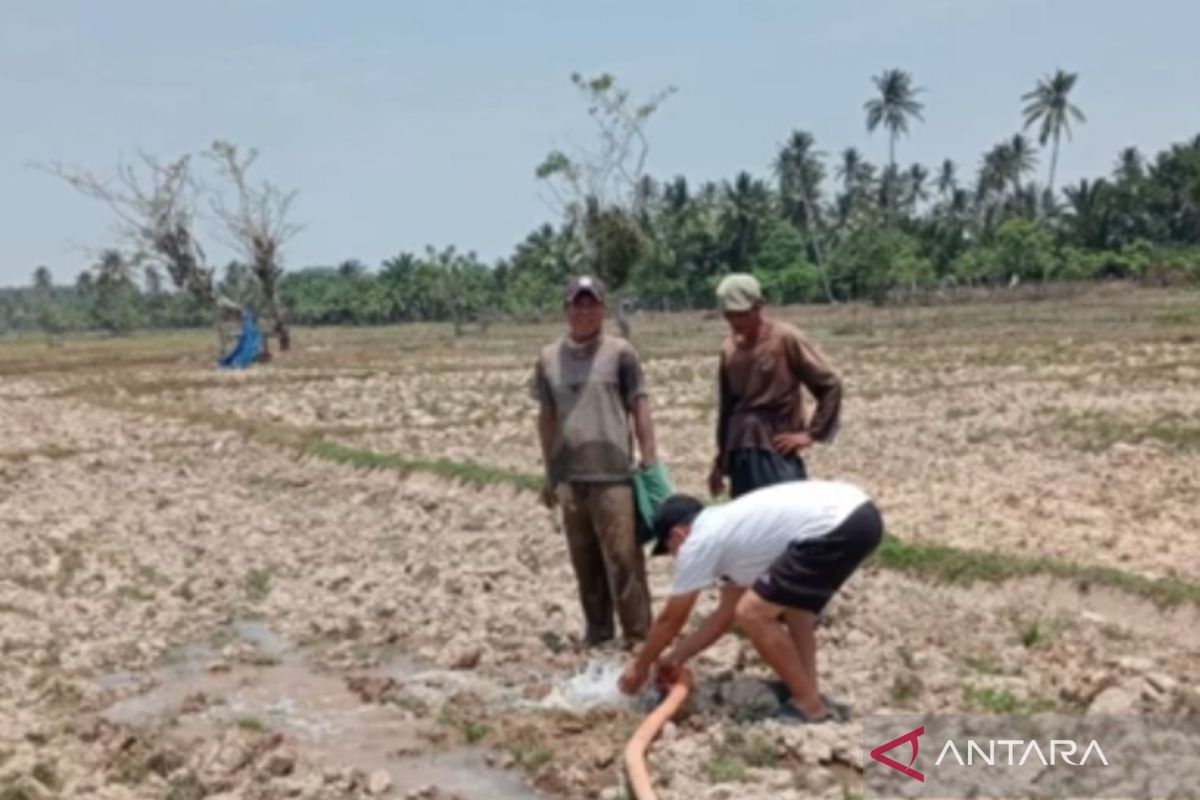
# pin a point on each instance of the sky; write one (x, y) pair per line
(403, 123)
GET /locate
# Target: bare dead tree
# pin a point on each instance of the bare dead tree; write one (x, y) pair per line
(610, 173)
(600, 191)
(155, 207)
(256, 221)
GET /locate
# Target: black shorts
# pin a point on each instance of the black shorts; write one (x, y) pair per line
(811, 570)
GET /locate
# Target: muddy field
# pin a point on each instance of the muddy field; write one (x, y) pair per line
(328, 578)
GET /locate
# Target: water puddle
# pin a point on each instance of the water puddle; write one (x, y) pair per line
(322, 718)
(258, 634)
(462, 772)
(187, 675)
(119, 682)
(595, 686)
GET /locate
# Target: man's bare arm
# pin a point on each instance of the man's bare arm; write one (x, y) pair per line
(643, 429)
(715, 625)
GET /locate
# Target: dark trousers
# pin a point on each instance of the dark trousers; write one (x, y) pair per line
(610, 567)
(754, 469)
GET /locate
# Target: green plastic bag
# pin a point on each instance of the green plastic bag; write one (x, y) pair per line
(651, 486)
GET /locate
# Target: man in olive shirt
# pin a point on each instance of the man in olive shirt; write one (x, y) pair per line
(762, 427)
(592, 399)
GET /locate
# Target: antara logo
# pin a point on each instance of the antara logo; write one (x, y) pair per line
(985, 751)
(991, 752)
(911, 738)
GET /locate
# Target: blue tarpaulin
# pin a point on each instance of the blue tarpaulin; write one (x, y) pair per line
(246, 351)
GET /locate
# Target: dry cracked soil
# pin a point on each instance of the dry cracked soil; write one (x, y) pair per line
(326, 577)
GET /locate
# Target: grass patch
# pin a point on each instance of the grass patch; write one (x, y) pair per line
(526, 746)
(1095, 433)
(1177, 316)
(258, 584)
(726, 769)
(183, 385)
(1002, 701)
(474, 732)
(252, 724)
(466, 472)
(537, 758)
(414, 704)
(852, 329)
(1040, 633)
(906, 687)
(135, 593)
(1033, 635)
(49, 453)
(985, 665)
(185, 790)
(45, 773)
(956, 566)
(151, 575)
(738, 753)
(760, 753)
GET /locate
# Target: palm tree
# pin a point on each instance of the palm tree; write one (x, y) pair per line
(890, 182)
(947, 180)
(858, 178)
(1131, 165)
(800, 171)
(1022, 159)
(896, 103)
(1027, 201)
(352, 269)
(1087, 212)
(746, 203)
(949, 225)
(850, 169)
(676, 195)
(43, 281)
(115, 291)
(1050, 105)
(960, 204)
(993, 173)
(113, 272)
(915, 184)
(1005, 165)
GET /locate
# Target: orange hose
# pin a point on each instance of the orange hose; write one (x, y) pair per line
(635, 751)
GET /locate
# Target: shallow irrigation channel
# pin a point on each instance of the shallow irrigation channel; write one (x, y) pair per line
(379, 722)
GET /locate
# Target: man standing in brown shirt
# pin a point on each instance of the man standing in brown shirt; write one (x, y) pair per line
(762, 427)
(592, 400)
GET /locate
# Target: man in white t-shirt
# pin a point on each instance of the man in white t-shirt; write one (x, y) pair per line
(778, 553)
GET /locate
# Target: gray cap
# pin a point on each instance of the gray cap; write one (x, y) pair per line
(738, 292)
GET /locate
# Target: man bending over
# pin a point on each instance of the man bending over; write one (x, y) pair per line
(779, 554)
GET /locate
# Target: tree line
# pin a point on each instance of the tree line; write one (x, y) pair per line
(819, 227)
